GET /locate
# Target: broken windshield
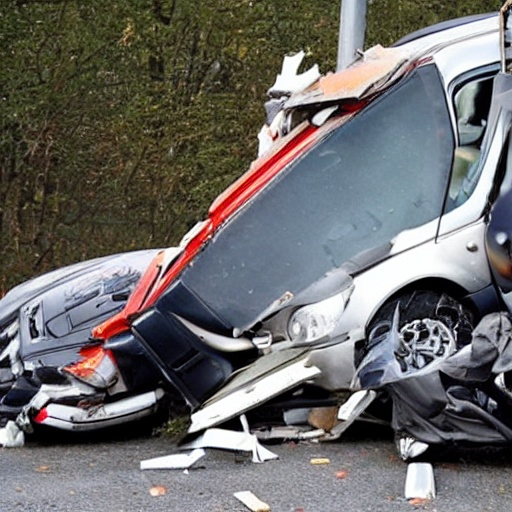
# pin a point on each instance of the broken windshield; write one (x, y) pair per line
(384, 171)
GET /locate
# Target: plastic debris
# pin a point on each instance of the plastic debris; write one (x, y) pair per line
(320, 117)
(356, 404)
(350, 411)
(251, 501)
(232, 440)
(419, 482)
(288, 81)
(174, 461)
(11, 436)
(409, 448)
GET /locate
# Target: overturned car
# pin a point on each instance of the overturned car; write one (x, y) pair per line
(374, 193)
(46, 321)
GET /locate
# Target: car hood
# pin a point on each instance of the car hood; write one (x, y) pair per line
(72, 299)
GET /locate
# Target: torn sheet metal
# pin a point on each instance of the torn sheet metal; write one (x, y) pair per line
(377, 68)
(232, 440)
(174, 461)
(269, 376)
(455, 399)
(419, 482)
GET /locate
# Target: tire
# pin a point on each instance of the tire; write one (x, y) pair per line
(432, 325)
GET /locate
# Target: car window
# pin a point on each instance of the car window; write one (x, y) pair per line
(384, 171)
(472, 102)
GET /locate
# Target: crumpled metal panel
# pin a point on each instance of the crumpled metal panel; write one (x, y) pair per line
(376, 69)
(458, 399)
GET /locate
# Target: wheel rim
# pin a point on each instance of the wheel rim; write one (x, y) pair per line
(424, 341)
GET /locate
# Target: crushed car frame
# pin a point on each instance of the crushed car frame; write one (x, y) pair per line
(371, 193)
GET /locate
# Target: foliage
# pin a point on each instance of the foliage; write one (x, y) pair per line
(121, 121)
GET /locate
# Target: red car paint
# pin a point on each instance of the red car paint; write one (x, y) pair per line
(153, 283)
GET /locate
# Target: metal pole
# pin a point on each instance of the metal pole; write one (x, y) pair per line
(352, 28)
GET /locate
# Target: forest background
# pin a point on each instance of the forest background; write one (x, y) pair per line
(121, 121)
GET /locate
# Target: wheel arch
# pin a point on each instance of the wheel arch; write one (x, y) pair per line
(435, 284)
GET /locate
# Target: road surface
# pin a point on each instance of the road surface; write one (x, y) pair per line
(364, 474)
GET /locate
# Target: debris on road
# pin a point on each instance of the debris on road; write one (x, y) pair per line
(232, 440)
(251, 501)
(174, 461)
(342, 474)
(158, 490)
(11, 436)
(419, 482)
(318, 461)
(288, 433)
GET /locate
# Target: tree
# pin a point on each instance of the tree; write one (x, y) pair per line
(121, 121)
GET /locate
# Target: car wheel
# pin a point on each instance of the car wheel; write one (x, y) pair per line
(432, 325)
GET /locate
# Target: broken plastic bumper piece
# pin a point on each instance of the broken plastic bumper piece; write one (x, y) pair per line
(75, 418)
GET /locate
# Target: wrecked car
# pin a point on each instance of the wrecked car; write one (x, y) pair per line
(372, 193)
(46, 321)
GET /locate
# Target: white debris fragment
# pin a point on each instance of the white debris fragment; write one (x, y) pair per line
(174, 461)
(11, 436)
(320, 117)
(409, 448)
(265, 140)
(419, 482)
(251, 501)
(356, 404)
(288, 81)
(231, 440)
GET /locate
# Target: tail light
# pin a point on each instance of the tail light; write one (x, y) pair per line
(97, 368)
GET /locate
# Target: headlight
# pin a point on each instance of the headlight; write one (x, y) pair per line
(313, 322)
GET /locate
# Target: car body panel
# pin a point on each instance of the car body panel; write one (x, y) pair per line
(268, 377)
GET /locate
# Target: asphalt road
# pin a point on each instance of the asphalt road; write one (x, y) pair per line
(68, 474)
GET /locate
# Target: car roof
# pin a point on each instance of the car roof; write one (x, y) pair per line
(428, 41)
(444, 25)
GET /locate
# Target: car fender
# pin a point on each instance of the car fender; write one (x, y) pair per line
(458, 259)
